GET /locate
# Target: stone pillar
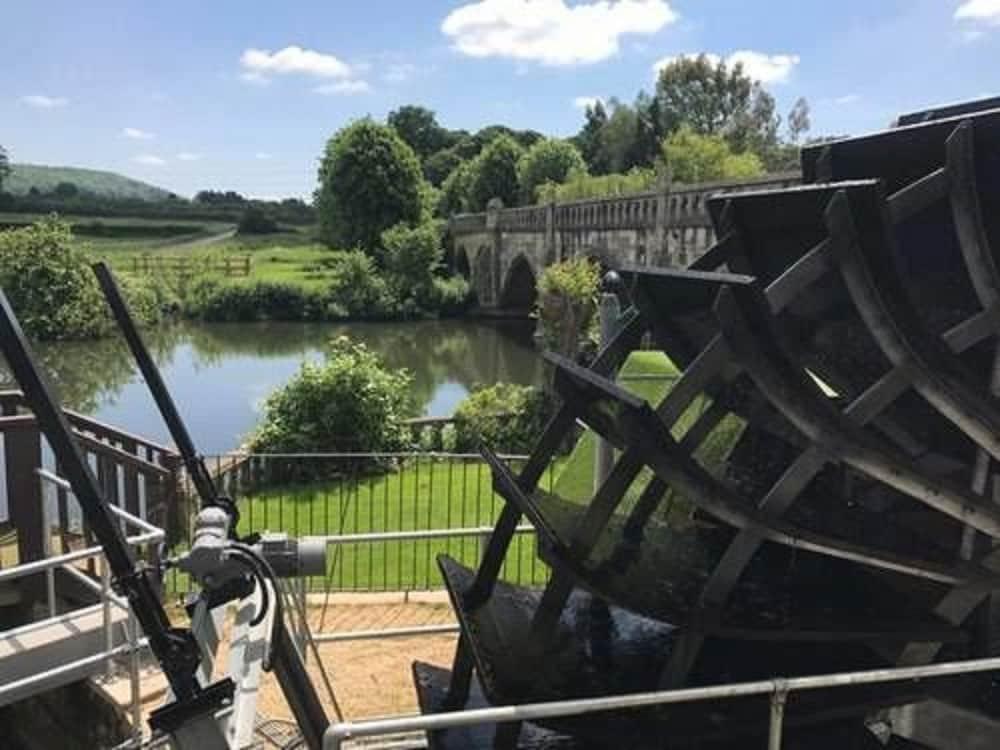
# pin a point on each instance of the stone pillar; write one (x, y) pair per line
(493, 228)
(659, 251)
(551, 251)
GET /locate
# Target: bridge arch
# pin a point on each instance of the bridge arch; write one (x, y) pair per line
(520, 289)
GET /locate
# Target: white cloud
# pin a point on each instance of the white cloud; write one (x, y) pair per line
(41, 101)
(343, 87)
(138, 135)
(149, 160)
(583, 102)
(759, 66)
(292, 60)
(552, 32)
(188, 156)
(263, 155)
(979, 10)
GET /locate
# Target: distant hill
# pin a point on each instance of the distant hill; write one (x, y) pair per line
(23, 177)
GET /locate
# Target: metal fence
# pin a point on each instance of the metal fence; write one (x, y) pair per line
(389, 514)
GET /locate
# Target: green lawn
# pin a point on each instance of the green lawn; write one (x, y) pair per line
(438, 493)
(426, 493)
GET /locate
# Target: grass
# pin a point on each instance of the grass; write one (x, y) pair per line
(426, 493)
(439, 493)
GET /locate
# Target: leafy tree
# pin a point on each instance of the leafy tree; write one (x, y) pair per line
(619, 138)
(65, 190)
(713, 99)
(588, 140)
(351, 402)
(418, 126)
(369, 181)
(494, 173)
(694, 158)
(256, 220)
(798, 120)
(455, 191)
(4, 166)
(412, 255)
(549, 160)
(219, 198)
(438, 166)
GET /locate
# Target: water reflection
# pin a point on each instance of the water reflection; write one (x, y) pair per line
(220, 373)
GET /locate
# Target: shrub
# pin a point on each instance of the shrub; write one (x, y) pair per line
(217, 300)
(452, 296)
(49, 283)
(694, 158)
(505, 417)
(369, 180)
(255, 220)
(567, 303)
(411, 256)
(357, 288)
(351, 402)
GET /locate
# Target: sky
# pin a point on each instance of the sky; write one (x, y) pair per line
(243, 94)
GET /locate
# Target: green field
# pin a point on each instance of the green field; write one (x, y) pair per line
(439, 494)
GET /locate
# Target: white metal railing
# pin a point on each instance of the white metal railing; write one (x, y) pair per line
(50, 564)
(778, 689)
(395, 536)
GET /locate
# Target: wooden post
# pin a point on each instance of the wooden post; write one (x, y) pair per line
(22, 457)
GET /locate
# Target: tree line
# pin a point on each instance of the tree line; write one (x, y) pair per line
(703, 121)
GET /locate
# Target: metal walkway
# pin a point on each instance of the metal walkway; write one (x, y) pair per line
(57, 651)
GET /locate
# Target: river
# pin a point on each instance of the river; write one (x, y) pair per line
(220, 374)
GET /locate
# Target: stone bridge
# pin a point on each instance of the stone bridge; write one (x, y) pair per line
(503, 250)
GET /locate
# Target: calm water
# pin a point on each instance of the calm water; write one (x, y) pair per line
(219, 374)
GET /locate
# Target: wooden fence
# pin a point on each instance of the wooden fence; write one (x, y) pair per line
(190, 265)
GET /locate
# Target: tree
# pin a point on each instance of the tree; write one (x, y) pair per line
(694, 158)
(588, 140)
(412, 256)
(438, 166)
(549, 160)
(4, 166)
(713, 99)
(494, 173)
(798, 120)
(369, 180)
(66, 190)
(255, 220)
(619, 138)
(418, 126)
(455, 191)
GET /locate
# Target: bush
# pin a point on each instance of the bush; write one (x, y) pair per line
(218, 300)
(352, 402)
(49, 283)
(505, 417)
(567, 303)
(694, 158)
(357, 288)
(255, 220)
(411, 256)
(369, 180)
(452, 296)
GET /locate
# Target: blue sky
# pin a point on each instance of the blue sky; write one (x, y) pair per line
(242, 95)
